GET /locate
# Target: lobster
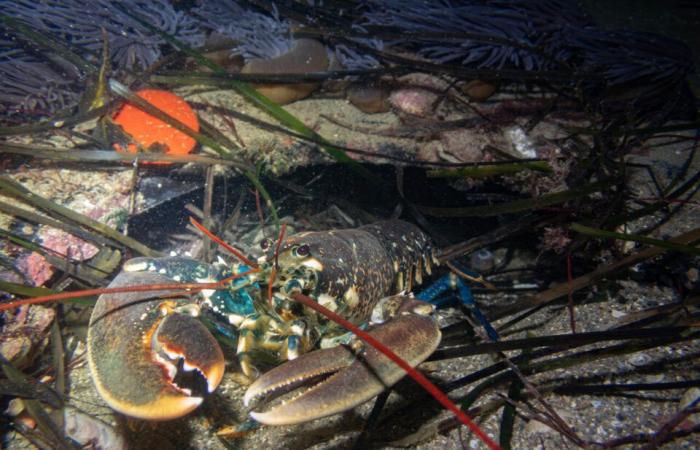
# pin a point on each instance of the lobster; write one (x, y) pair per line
(151, 357)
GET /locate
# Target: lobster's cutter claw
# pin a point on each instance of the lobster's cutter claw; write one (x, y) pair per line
(349, 377)
(148, 360)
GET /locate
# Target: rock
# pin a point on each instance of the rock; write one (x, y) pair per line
(415, 101)
(307, 56)
(369, 98)
(25, 336)
(478, 90)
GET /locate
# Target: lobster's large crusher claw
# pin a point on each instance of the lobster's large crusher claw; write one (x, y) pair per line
(148, 357)
(349, 375)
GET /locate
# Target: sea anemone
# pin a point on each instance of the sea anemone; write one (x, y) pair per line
(263, 35)
(524, 34)
(79, 23)
(30, 80)
(258, 35)
(479, 34)
(552, 36)
(27, 84)
(351, 58)
(626, 57)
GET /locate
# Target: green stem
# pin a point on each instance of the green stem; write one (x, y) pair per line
(489, 170)
(58, 261)
(23, 290)
(515, 206)
(49, 42)
(86, 156)
(56, 123)
(689, 184)
(44, 220)
(597, 232)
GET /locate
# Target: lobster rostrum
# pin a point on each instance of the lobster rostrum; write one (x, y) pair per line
(150, 356)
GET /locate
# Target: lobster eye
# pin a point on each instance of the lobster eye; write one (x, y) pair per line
(301, 251)
(265, 244)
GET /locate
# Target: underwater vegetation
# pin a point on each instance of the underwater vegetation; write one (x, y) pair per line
(543, 41)
(256, 34)
(548, 35)
(482, 34)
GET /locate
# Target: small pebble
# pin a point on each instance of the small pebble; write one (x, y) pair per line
(478, 90)
(415, 101)
(639, 359)
(369, 98)
(482, 260)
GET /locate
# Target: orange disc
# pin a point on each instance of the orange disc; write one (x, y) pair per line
(153, 133)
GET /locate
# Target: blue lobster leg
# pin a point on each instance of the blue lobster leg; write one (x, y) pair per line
(452, 282)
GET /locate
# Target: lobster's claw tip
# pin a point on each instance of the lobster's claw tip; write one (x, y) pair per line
(182, 337)
(166, 406)
(349, 378)
(293, 374)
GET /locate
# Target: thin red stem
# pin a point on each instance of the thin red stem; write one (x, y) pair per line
(237, 253)
(117, 290)
(238, 275)
(279, 242)
(417, 376)
(184, 287)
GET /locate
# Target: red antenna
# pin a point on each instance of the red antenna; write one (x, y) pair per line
(237, 253)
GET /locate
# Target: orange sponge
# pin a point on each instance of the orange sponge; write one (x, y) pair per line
(153, 133)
